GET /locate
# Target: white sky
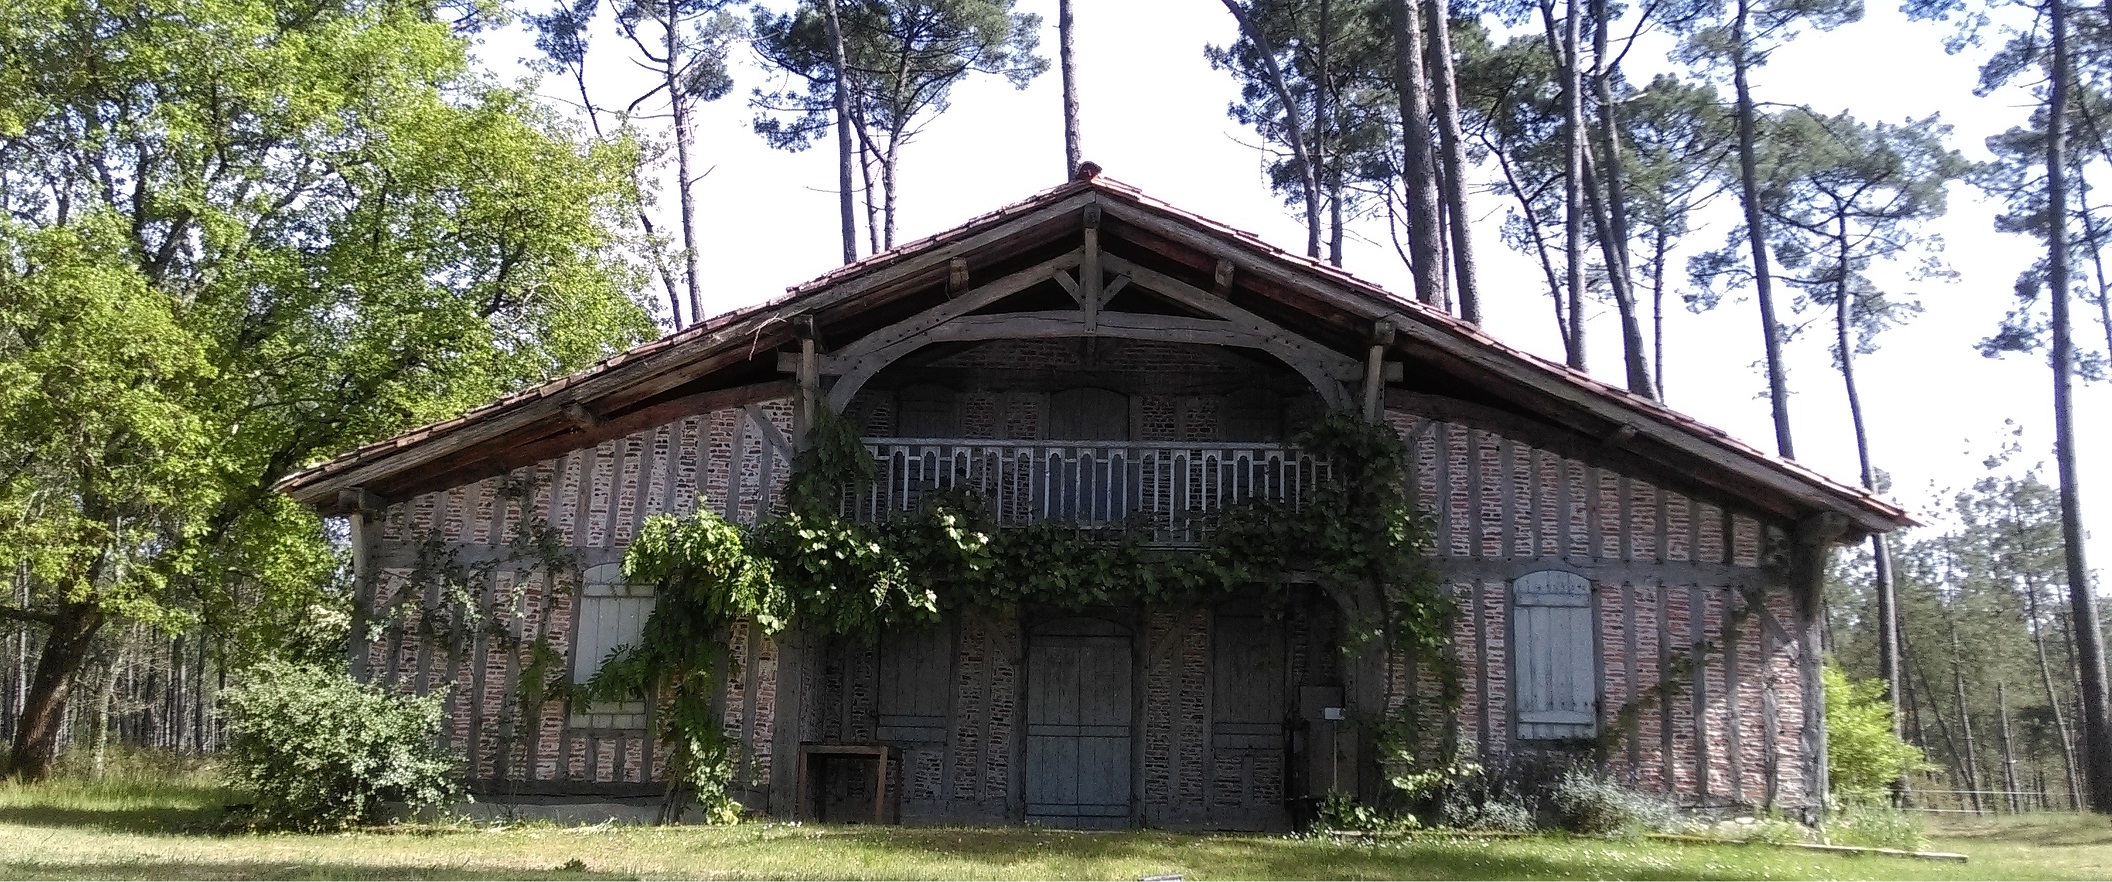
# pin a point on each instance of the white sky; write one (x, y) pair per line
(1153, 114)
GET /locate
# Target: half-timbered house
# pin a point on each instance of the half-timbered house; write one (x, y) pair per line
(1093, 354)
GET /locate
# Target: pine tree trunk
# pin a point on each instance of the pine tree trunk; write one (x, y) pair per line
(1880, 551)
(1294, 124)
(1066, 38)
(2053, 698)
(845, 204)
(104, 705)
(1756, 234)
(66, 643)
(1969, 764)
(1573, 177)
(1452, 149)
(2009, 752)
(678, 105)
(1613, 232)
(2089, 640)
(1419, 175)
(1660, 247)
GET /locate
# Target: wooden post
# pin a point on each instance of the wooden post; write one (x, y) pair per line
(1375, 372)
(808, 375)
(1090, 278)
(360, 505)
(1810, 557)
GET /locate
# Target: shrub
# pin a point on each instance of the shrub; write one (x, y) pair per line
(1873, 824)
(1598, 806)
(317, 750)
(1863, 757)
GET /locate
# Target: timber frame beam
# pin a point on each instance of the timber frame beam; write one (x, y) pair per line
(855, 364)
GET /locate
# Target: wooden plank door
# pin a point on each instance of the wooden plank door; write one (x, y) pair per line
(1078, 725)
(1247, 721)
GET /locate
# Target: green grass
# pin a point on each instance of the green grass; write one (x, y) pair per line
(138, 826)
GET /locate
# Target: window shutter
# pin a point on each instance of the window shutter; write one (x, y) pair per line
(612, 613)
(1555, 654)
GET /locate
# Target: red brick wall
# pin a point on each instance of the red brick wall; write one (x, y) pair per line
(594, 500)
(1679, 588)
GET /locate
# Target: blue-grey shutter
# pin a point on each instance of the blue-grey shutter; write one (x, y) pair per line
(1554, 645)
(612, 613)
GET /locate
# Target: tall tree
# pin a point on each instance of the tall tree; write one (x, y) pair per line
(329, 229)
(1741, 38)
(1419, 166)
(1844, 196)
(1452, 155)
(1066, 39)
(684, 43)
(562, 36)
(902, 59)
(1321, 100)
(1680, 137)
(2089, 636)
(2032, 173)
(839, 61)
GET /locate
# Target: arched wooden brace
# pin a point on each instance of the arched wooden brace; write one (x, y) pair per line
(857, 363)
(1063, 323)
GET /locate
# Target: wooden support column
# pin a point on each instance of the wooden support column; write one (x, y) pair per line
(1375, 371)
(808, 377)
(361, 508)
(1091, 281)
(1811, 555)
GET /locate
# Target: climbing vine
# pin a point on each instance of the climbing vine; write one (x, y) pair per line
(1359, 537)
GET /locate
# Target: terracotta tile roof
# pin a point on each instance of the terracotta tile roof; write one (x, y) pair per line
(1424, 313)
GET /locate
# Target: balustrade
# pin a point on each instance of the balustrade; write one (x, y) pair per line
(1168, 490)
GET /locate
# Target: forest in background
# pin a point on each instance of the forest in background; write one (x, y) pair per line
(243, 236)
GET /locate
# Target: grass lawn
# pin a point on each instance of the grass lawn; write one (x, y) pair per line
(135, 829)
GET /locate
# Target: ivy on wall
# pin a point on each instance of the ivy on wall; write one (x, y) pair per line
(1358, 537)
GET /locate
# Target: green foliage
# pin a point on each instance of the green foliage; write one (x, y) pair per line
(325, 228)
(1863, 757)
(1873, 823)
(1596, 805)
(1340, 812)
(837, 576)
(320, 751)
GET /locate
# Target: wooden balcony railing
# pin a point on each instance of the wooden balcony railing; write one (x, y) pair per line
(1168, 490)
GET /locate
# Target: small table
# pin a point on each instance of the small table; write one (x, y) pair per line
(881, 754)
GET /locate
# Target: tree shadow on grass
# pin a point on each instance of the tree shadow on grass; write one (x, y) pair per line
(161, 819)
(1262, 857)
(164, 869)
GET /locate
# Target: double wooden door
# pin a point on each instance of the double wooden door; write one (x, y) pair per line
(1079, 769)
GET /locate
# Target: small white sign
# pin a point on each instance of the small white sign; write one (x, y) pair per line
(1331, 713)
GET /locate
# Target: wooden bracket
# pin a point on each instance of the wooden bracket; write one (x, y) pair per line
(1382, 333)
(806, 327)
(1221, 281)
(580, 415)
(1092, 217)
(956, 276)
(1823, 528)
(359, 500)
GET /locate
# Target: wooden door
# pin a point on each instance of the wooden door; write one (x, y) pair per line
(1078, 768)
(1247, 721)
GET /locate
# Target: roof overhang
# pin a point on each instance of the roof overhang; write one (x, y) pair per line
(733, 359)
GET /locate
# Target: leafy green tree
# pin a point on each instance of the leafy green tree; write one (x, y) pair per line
(240, 236)
(1864, 754)
(900, 59)
(1678, 137)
